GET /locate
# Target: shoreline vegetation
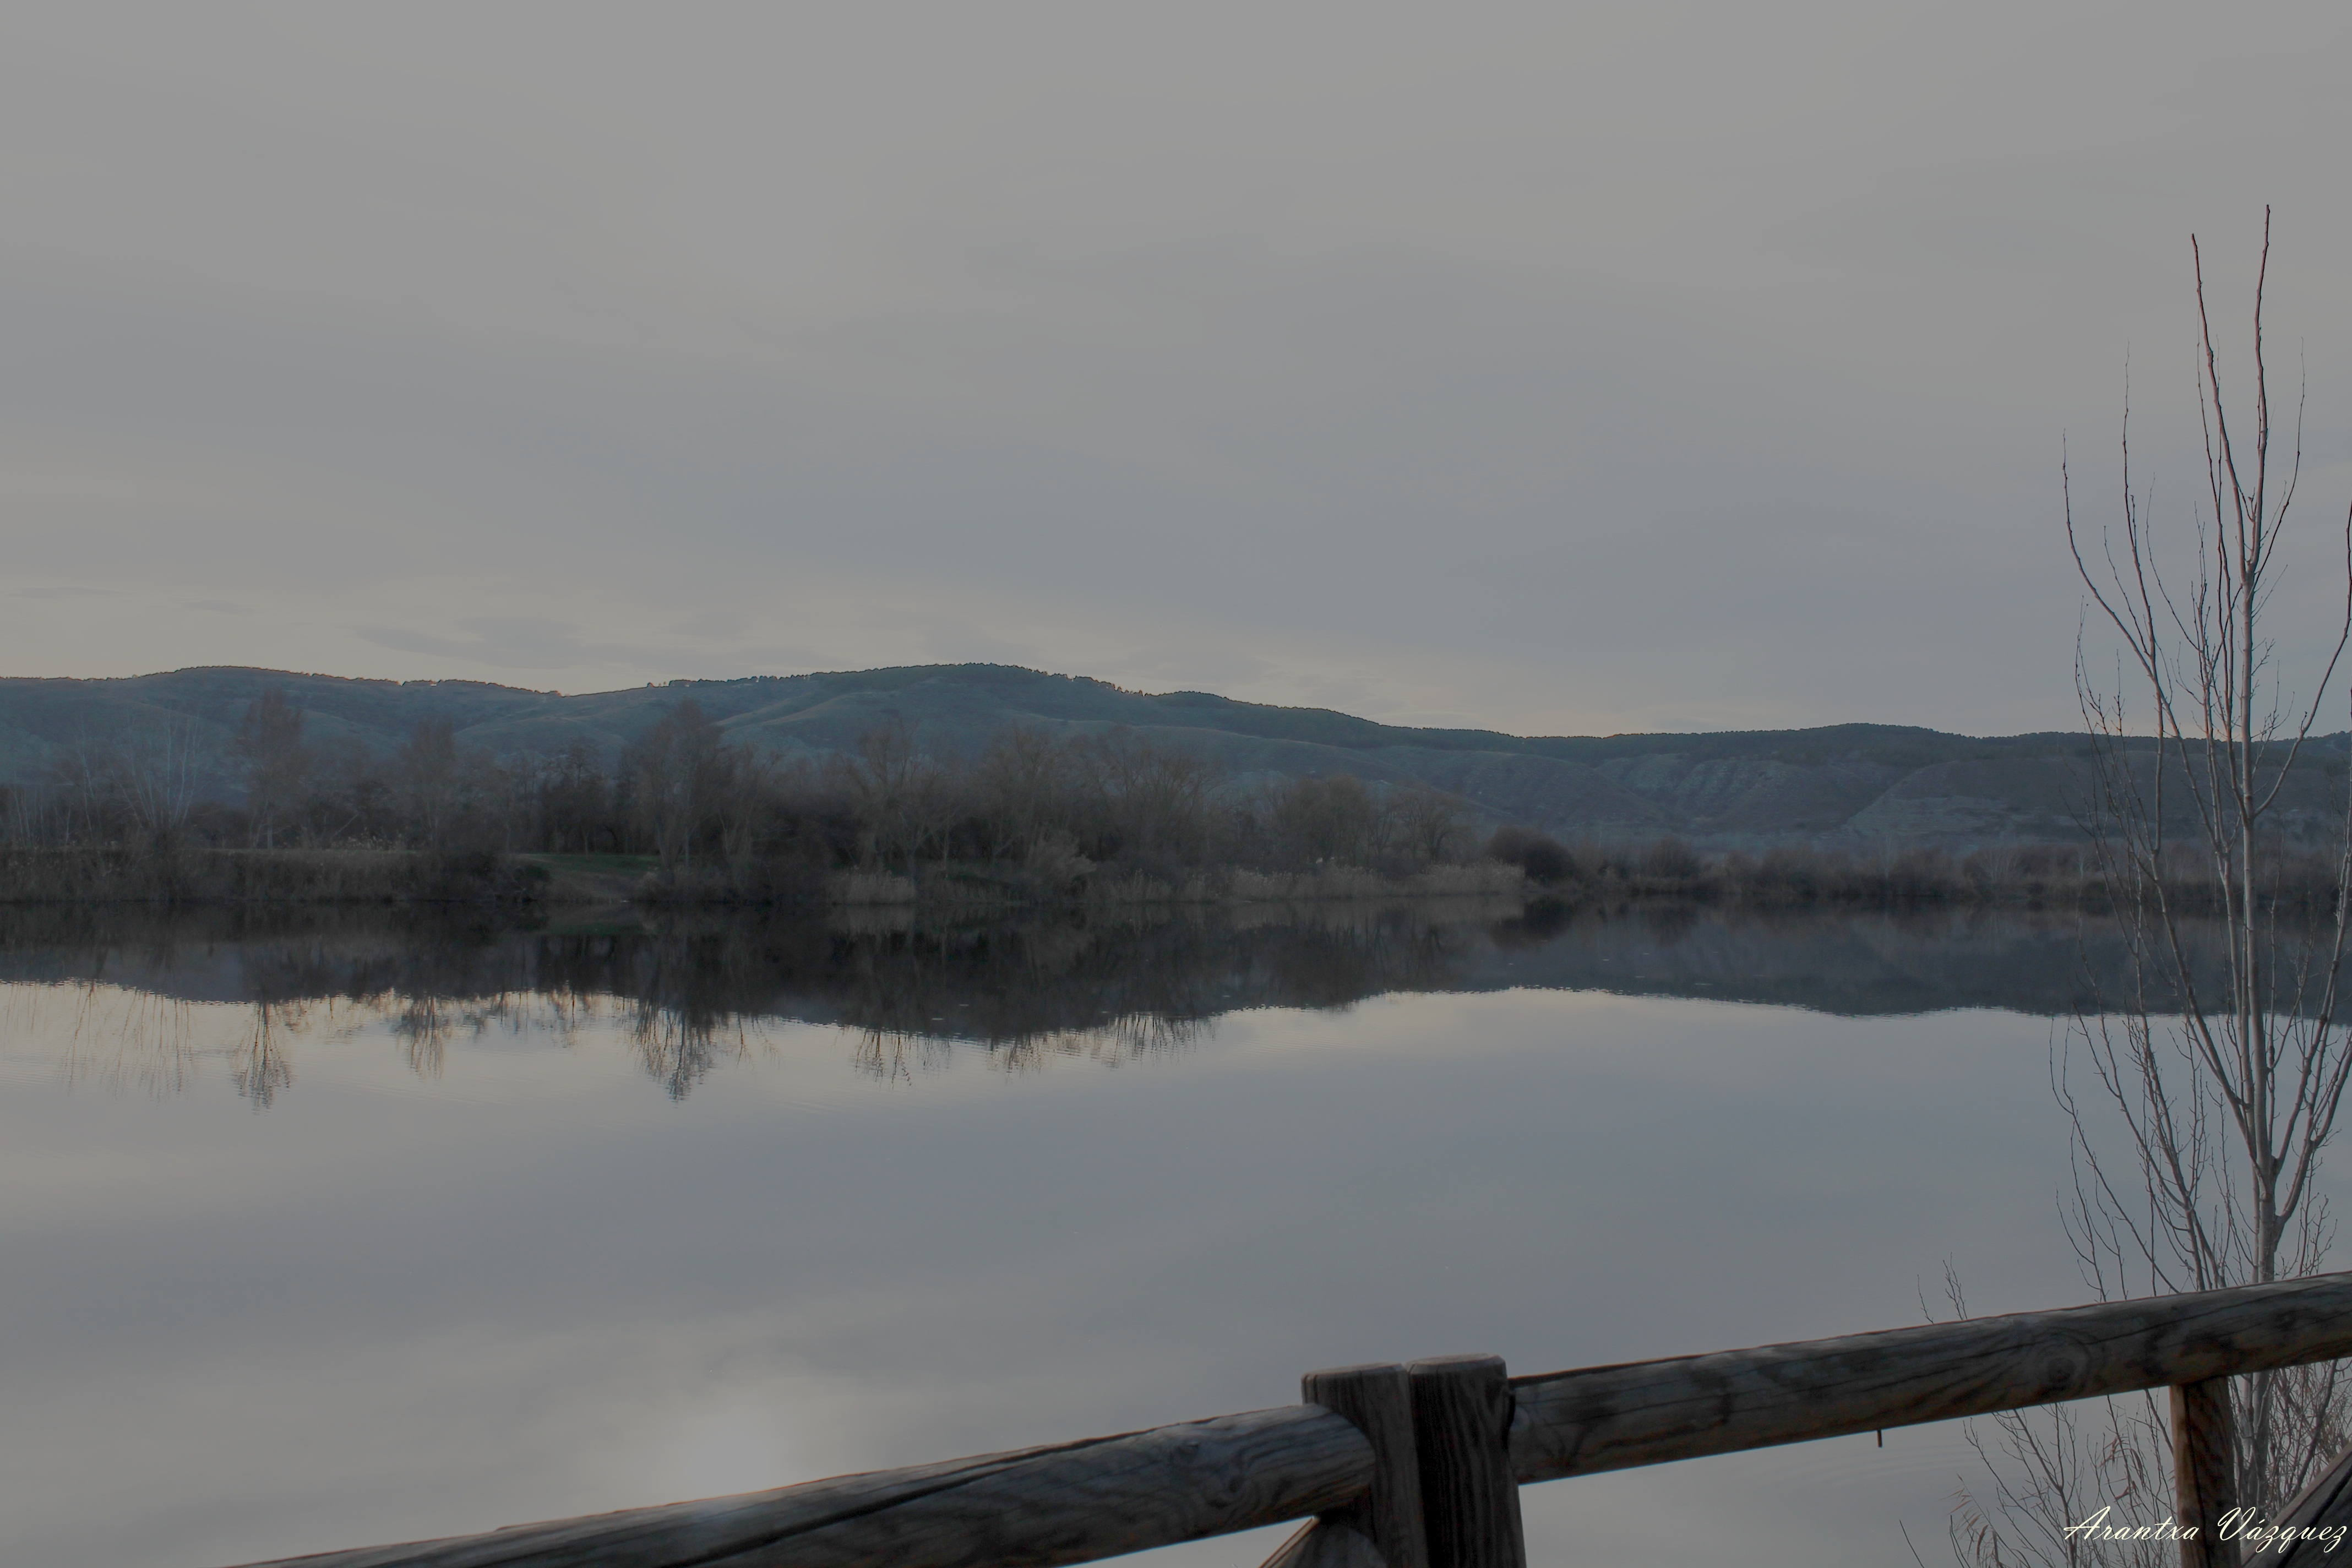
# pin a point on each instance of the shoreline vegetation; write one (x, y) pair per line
(1523, 869)
(683, 816)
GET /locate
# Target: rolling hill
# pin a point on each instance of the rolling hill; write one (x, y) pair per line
(1850, 786)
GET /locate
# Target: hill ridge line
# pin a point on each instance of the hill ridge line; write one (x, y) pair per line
(1855, 786)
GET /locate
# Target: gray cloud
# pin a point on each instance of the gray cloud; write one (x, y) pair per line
(1573, 369)
(522, 644)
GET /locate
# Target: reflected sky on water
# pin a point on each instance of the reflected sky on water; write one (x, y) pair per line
(338, 1231)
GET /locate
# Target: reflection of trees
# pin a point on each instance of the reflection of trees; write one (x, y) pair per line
(1858, 962)
(895, 1057)
(898, 1054)
(423, 1030)
(120, 1039)
(1030, 992)
(693, 990)
(117, 1040)
(263, 1070)
(678, 1049)
(1124, 1038)
(690, 993)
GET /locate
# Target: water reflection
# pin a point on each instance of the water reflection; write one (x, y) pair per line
(395, 1306)
(262, 1068)
(144, 1041)
(148, 998)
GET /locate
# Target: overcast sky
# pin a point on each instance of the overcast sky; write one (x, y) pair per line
(1558, 369)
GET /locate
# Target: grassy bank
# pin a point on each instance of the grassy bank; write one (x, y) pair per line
(110, 874)
(115, 875)
(971, 887)
(1521, 866)
(2027, 876)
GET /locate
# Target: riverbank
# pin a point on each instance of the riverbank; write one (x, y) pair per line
(112, 874)
(2300, 884)
(1544, 875)
(984, 887)
(107, 875)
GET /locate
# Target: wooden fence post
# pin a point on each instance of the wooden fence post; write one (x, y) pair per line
(1462, 1410)
(2203, 1463)
(1377, 1398)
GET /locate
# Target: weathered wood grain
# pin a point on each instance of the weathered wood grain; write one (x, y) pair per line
(1378, 1399)
(1462, 1415)
(1034, 1508)
(1074, 1502)
(1610, 1417)
(2325, 1505)
(2204, 1466)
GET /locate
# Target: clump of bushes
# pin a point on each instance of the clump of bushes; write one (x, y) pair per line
(1545, 859)
(1663, 866)
(2027, 874)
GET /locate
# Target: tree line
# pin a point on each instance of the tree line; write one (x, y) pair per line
(709, 811)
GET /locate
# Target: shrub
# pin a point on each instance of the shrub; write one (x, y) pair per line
(1669, 859)
(1544, 859)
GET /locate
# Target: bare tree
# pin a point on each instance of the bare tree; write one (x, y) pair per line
(575, 798)
(674, 775)
(1316, 821)
(159, 780)
(1424, 824)
(745, 788)
(268, 746)
(1155, 800)
(78, 780)
(426, 766)
(896, 793)
(2214, 1082)
(1023, 782)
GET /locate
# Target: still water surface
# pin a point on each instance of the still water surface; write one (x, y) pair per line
(345, 1231)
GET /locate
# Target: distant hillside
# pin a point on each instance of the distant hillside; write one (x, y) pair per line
(1853, 785)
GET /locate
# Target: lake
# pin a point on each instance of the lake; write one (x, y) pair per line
(332, 1229)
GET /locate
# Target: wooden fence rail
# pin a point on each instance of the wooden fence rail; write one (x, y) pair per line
(1420, 1467)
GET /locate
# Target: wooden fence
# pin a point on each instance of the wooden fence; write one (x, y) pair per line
(1419, 1465)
